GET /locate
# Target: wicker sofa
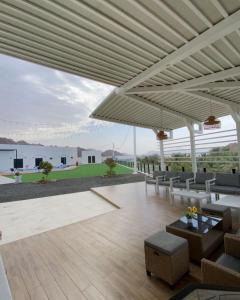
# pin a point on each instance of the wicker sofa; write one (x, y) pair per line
(226, 270)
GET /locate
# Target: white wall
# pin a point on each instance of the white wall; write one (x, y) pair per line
(29, 152)
(85, 154)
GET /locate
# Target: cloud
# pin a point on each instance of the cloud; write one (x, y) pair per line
(39, 102)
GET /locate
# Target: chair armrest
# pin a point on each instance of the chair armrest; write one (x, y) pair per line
(160, 177)
(232, 244)
(148, 176)
(208, 184)
(211, 181)
(213, 273)
(188, 181)
(172, 179)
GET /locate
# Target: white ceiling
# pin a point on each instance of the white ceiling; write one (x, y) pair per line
(162, 56)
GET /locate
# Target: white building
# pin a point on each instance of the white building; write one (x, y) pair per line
(91, 157)
(29, 156)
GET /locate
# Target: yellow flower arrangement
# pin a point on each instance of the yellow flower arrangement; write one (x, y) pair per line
(191, 211)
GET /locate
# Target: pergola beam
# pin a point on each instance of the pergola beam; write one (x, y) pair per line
(218, 85)
(172, 88)
(218, 100)
(149, 89)
(228, 73)
(115, 120)
(211, 35)
(157, 106)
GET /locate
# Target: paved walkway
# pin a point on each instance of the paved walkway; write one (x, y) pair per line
(5, 180)
(21, 219)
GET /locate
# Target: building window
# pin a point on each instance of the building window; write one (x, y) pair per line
(18, 163)
(64, 160)
(38, 161)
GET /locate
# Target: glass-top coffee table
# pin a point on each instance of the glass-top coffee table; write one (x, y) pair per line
(200, 223)
(203, 235)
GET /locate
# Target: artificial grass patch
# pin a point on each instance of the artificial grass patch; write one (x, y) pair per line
(80, 171)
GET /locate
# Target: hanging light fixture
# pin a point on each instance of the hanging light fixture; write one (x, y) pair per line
(161, 135)
(211, 122)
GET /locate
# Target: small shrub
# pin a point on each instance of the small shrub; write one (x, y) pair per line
(111, 165)
(46, 168)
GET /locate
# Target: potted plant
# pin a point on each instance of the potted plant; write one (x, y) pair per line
(190, 212)
(18, 177)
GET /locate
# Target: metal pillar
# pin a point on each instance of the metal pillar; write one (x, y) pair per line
(162, 163)
(236, 118)
(190, 127)
(135, 170)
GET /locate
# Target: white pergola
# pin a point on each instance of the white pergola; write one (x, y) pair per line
(169, 60)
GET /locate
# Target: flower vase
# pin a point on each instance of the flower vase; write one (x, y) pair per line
(189, 220)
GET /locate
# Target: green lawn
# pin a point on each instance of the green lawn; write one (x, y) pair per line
(80, 171)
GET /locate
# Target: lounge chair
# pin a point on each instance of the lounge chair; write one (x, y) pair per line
(226, 270)
(225, 183)
(181, 181)
(153, 178)
(167, 178)
(200, 182)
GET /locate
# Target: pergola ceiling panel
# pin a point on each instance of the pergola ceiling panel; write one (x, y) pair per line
(179, 45)
(121, 109)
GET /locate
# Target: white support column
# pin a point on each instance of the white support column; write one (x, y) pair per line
(236, 118)
(134, 151)
(162, 163)
(190, 127)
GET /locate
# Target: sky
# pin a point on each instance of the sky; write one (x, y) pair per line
(43, 105)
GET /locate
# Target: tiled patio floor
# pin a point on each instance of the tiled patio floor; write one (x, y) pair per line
(101, 258)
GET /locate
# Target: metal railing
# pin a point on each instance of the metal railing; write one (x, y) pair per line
(215, 152)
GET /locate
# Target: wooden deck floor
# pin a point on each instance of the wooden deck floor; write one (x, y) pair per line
(97, 259)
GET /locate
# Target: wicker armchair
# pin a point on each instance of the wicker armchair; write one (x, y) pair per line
(226, 270)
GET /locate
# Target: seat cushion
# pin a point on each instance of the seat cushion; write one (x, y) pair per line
(165, 183)
(169, 175)
(202, 177)
(158, 173)
(165, 242)
(151, 181)
(230, 262)
(185, 175)
(228, 180)
(212, 208)
(232, 190)
(196, 186)
(180, 185)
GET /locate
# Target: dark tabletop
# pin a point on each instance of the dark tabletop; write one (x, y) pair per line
(200, 224)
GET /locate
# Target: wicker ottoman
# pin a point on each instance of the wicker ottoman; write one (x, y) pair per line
(221, 211)
(166, 256)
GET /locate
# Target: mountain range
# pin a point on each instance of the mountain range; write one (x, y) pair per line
(105, 153)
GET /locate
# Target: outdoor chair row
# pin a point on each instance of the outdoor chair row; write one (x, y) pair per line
(220, 183)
